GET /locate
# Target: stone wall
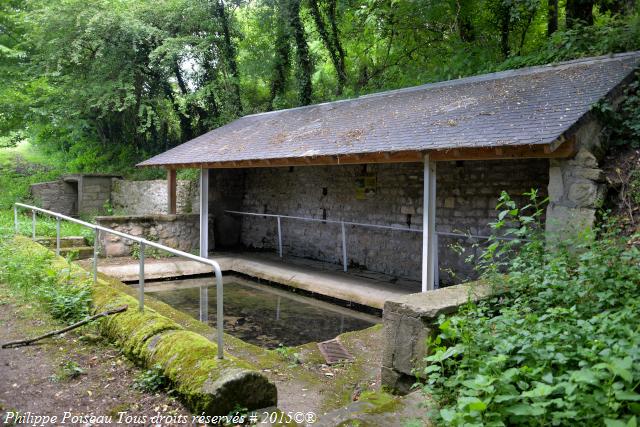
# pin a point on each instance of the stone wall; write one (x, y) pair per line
(151, 197)
(409, 321)
(466, 197)
(576, 186)
(226, 192)
(57, 196)
(93, 194)
(176, 231)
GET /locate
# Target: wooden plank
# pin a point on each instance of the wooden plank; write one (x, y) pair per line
(171, 191)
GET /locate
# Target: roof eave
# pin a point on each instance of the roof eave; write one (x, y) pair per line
(561, 148)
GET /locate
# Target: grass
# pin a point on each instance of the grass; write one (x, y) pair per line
(21, 166)
(26, 151)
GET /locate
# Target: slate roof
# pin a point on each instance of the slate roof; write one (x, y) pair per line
(527, 106)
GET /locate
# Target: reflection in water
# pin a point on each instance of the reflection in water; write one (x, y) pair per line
(263, 315)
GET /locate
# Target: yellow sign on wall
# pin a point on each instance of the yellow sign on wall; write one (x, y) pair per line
(366, 186)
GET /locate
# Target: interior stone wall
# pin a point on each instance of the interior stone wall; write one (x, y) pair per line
(467, 193)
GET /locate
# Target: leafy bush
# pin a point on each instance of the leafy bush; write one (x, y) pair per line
(559, 346)
(622, 122)
(151, 380)
(68, 371)
(32, 275)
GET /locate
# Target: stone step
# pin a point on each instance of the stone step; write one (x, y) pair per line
(65, 242)
(84, 252)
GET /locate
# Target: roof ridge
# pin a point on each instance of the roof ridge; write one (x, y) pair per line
(462, 80)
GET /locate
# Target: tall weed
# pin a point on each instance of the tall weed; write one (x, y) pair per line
(560, 346)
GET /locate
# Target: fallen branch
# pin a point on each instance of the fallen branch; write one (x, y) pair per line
(22, 343)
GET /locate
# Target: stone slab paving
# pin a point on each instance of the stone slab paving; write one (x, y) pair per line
(361, 287)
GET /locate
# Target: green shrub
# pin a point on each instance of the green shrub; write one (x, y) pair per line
(32, 275)
(68, 371)
(151, 380)
(560, 347)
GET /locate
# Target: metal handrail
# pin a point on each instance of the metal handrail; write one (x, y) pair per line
(143, 244)
(387, 227)
(361, 224)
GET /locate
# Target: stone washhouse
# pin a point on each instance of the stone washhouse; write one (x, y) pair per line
(427, 161)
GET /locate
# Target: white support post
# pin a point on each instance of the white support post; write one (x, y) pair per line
(204, 213)
(57, 236)
(15, 218)
(204, 241)
(33, 225)
(433, 238)
(96, 239)
(428, 225)
(141, 278)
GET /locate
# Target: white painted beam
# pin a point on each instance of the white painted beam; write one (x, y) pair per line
(204, 213)
(204, 238)
(428, 225)
(433, 238)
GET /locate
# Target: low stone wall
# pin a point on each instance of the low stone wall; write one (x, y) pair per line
(57, 196)
(176, 231)
(151, 197)
(408, 323)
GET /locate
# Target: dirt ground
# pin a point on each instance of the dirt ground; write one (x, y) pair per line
(34, 379)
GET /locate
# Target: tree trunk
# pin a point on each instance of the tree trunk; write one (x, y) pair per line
(579, 11)
(329, 45)
(463, 21)
(230, 56)
(335, 33)
(552, 17)
(281, 61)
(302, 52)
(505, 22)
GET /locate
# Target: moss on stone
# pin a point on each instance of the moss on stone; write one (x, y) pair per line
(206, 383)
(188, 359)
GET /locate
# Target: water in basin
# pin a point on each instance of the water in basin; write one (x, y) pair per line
(261, 314)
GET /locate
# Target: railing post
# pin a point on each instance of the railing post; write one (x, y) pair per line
(15, 218)
(57, 236)
(204, 303)
(33, 225)
(279, 236)
(344, 247)
(141, 279)
(96, 236)
(436, 269)
(219, 313)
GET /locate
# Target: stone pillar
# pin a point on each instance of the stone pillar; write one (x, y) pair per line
(409, 321)
(576, 187)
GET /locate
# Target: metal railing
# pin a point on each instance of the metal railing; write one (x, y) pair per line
(343, 233)
(143, 244)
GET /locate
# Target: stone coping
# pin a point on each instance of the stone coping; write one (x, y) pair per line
(440, 301)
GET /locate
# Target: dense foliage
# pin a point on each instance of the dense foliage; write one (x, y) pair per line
(33, 276)
(110, 82)
(559, 345)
